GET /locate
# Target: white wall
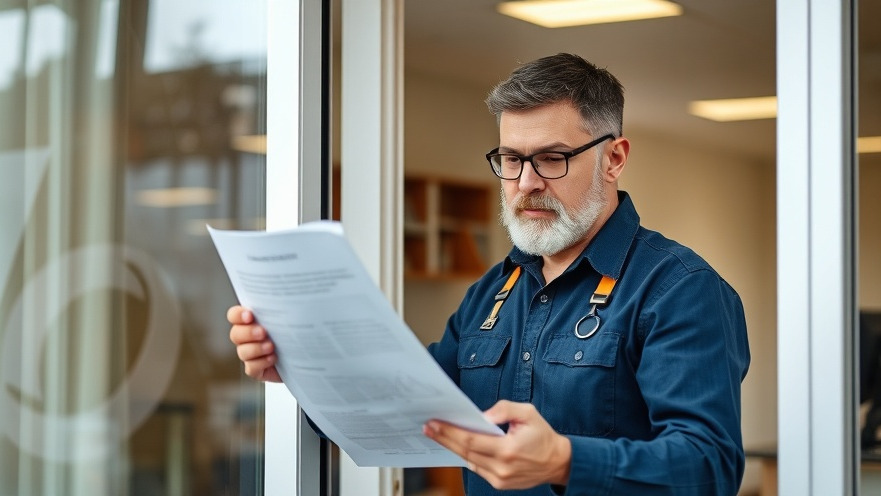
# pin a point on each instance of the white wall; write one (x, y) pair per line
(448, 130)
(721, 206)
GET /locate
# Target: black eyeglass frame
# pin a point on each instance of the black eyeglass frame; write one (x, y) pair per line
(528, 158)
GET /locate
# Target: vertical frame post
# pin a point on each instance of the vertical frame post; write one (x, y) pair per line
(815, 207)
(372, 172)
(296, 165)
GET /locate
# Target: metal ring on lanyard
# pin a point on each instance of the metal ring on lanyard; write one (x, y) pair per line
(600, 297)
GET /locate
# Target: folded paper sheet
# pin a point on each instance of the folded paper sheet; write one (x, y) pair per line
(350, 361)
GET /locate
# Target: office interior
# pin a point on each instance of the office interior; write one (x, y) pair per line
(127, 126)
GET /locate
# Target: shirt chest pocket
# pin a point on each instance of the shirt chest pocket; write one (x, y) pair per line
(577, 388)
(480, 367)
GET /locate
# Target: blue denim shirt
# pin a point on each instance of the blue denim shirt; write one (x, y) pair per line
(651, 402)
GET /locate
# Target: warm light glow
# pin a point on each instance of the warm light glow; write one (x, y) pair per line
(252, 143)
(869, 144)
(735, 109)
(563, 13)
(196, 227)
(742, 109)
(176, 197)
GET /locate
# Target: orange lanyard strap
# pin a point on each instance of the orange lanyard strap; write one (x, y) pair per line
(600, 297)
(500, 299)
(604, 289)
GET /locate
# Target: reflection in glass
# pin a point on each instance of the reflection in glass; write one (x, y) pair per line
(869, 242)
(116, 375)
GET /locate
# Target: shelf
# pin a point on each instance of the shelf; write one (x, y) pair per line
(446, 226)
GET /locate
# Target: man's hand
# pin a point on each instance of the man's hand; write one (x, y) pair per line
(253, 346)
(531, 453)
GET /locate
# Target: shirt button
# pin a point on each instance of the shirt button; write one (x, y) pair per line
(578, 355)
(472, 357)
(526, 356)
(544, 298)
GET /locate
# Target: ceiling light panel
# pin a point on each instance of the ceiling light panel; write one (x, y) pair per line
(735, 109)
(564, 13)
(176, 197)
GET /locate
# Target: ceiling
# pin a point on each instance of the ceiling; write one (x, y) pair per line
(717, 49)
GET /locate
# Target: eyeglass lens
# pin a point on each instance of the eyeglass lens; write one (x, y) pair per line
(549, 165)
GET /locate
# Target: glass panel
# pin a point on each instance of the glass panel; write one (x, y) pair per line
(127, 126)
(869, 236)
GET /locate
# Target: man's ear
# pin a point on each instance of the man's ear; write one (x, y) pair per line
(620, 149)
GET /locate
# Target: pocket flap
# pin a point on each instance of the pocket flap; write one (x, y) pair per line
(481, 351)
(599, 350)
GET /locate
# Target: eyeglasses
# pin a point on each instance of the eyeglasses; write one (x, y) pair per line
(549, 165)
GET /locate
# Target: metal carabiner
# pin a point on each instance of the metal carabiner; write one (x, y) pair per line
(592, 314)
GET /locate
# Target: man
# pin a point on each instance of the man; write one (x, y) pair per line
(615, 357)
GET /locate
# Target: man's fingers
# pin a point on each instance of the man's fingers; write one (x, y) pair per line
(530, 453)
(239, 334)
(505, 411)
(438, 432)
(253, 346)
(463, 442)
(238, 314)
(259, 368)
(253, 351)
(487, 455)
(486, 463)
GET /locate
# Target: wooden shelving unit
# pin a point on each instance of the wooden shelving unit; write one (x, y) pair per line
(446, 226)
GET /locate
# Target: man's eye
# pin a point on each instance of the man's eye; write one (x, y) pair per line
(510, 160)
(550, 158)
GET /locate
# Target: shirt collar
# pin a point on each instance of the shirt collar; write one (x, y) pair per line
(607, 251)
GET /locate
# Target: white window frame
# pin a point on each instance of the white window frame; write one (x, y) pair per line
(817, 448)
(292, 464)
(371, 189)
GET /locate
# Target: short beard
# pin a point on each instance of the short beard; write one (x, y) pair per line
(549, 237)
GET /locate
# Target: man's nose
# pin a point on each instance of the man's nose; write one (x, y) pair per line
(529, 179)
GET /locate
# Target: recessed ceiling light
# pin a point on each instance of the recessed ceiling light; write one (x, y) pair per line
(742, 109)
(176, 197)
(735, 109)
(563, 13)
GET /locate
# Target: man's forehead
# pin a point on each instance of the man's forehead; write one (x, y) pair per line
(549, 146)
(552, 117)
(525, 131)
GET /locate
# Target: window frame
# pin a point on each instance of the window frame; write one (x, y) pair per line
(816, 214)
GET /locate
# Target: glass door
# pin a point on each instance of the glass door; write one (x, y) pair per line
(127, 127)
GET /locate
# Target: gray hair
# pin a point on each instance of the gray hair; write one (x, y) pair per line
(595, 92)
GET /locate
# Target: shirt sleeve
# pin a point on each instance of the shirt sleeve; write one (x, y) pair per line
(694, 357)
(445, 351)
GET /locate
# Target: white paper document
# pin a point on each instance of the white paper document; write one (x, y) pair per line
(350, 361)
